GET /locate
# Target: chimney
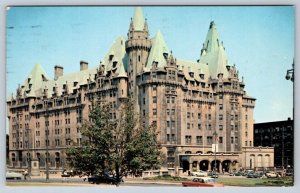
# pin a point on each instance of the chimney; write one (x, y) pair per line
(83, 65)
(58, 71)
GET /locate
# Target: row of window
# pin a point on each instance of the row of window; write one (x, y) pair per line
(209, 140)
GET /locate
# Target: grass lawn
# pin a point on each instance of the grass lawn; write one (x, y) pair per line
(233, 181)
(251, 182)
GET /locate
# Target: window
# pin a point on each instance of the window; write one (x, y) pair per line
(220, 139)
(199, 115)
(168, 111)
(154, 112)
(209, 127)
(188, 126)
(173, 111)
(173, 138)
(221, 96)
(221, 106)
(173, 100)
(220, 117)
(173, 124)
(199, 140)
(220, 127)
(144, 101)
(188, 115)
(231, 140)
(154, 87)
(154, 99)
(168, 99)
(209, 116)
(246, 143)
(168, 137)
(250, 143)
(246, 117)
(209, 140)
(246, 134)
(168, 124)
(188, 139)
(199, 125)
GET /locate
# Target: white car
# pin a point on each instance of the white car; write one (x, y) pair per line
(199, 173)
(272, 175)
(13, 176)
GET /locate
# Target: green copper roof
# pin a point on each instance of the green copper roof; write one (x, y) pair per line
(115, 60)
(158, 49)
(35, 80)
(138, 19)
(214, 53)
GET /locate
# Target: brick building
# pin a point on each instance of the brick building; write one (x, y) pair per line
(194, 104)
(280, 135)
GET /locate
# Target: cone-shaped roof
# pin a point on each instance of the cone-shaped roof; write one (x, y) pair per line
(35, 80)
(138, 19)
(214, 53)
(158, 49)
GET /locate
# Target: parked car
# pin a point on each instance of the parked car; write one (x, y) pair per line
(13, 175)
(213, 174)
(252, 175)
(202, 182)
(199, 174)
(272, 175)
(237, 173)
(106, 179)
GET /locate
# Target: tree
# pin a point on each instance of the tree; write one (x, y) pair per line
(118, 146)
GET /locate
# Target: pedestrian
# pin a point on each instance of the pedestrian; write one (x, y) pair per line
(25, 174)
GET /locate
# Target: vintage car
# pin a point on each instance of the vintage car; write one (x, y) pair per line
(202, 182)
(13, 176)
(199, 174)
(105, 178)
(272, 175)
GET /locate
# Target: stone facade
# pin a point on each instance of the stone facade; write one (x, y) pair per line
(193, 104)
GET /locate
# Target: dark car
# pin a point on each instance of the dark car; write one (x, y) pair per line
(105, 179)
(237, 174)
(213, 174)
(252, 175)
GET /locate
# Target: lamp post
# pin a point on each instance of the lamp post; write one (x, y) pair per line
(290, 73)
(215, 164)
(47, 141)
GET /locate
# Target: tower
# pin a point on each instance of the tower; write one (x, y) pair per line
(137, 48)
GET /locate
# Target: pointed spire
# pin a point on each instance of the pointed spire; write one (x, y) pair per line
(159, 52)
(212, 42)
(138, 22)
(213, 53)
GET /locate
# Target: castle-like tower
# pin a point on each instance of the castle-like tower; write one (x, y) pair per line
(198, 107)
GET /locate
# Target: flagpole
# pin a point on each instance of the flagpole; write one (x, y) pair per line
(215, 167)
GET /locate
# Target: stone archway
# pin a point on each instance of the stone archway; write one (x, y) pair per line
(185, 165)
(212, 165)
(226, 166)
(203, 165)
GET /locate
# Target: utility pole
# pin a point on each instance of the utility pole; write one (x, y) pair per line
(47, 141)
(215, 164)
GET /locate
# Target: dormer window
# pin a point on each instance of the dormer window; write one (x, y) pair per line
(192, 74)
(111, 57)
(115, 64)
(202, 76)
(165, 55)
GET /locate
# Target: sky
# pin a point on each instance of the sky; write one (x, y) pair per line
(259, 40)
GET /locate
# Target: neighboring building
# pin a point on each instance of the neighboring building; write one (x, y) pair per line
(280, 135)
(191, 103)
(7, 148)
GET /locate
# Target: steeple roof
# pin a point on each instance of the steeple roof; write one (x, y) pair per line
(35, 80)
(138, 19)
(213, 53)
(158, 50)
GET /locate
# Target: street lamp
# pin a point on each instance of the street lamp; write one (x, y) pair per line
(290, 73)
(47, 141)
(215, 164)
